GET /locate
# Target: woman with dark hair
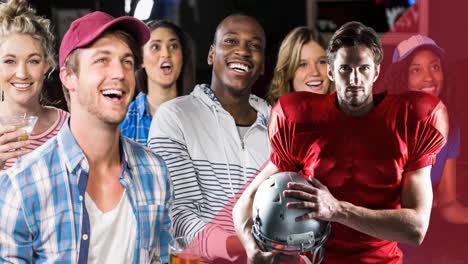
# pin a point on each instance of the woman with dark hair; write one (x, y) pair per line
(167, 72)
(419, 65)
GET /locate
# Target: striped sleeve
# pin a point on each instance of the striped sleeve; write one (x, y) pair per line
(166, 139)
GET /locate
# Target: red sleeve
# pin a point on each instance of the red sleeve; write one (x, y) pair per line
(426, 137)
(281, 135)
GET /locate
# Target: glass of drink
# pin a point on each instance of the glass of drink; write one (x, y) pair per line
(184, 250)
(21, 122)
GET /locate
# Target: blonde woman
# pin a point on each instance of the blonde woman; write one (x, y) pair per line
(301, 65)
(26, 57)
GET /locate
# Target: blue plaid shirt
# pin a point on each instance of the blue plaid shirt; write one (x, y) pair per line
(137, 123)
(43, 217)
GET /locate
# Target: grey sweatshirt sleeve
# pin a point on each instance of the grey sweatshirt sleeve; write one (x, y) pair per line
(166, 138)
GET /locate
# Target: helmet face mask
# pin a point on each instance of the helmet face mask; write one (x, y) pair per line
(296, 243)
(275, 226)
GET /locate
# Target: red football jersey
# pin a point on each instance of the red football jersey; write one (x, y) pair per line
(361, 160)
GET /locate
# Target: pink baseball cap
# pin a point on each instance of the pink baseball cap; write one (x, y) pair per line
(408, 46)
(88, 28)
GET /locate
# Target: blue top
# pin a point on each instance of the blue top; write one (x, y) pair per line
(451, 150)
(137, 123)
(43, 215)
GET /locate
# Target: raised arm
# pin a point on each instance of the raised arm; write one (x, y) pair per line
(450, 208)
(10, 147)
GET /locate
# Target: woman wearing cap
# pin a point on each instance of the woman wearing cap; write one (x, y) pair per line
(301, 65)
(26, 58)
(167, 72)
(419, 65)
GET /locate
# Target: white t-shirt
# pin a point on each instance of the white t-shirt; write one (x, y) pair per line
(113, 234)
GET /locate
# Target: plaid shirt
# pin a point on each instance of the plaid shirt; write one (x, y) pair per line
(43, 217)
(137, 123)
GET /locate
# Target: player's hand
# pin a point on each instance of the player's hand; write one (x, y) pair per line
(316, 197)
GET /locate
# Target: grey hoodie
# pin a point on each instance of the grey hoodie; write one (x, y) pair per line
(207, 159)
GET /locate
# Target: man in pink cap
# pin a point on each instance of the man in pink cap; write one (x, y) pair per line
(90, 195)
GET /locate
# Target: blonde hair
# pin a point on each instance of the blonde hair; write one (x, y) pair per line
(16, 16)
(289, 56)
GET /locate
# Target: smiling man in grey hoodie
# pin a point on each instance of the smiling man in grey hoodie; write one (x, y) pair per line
(215, 139)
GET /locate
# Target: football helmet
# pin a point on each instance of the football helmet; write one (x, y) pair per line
(275, 227)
